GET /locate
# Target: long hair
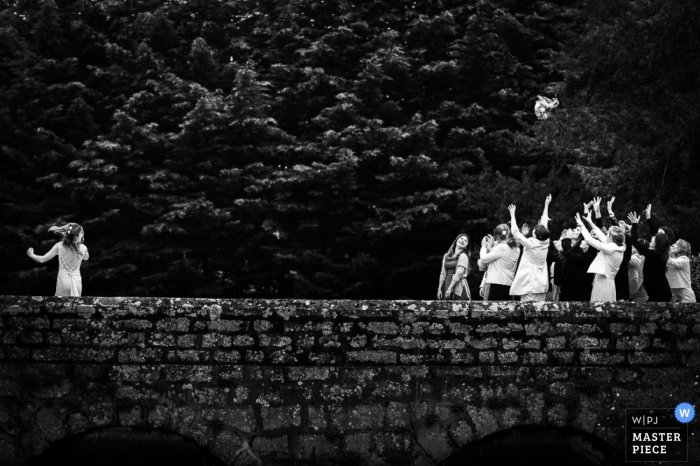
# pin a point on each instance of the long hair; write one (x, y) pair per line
(451, 251)
(502, 234)
(662, 244)
(70, 233)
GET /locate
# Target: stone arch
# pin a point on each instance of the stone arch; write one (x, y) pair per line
(541, 445)
(51, 426)
(125, 445)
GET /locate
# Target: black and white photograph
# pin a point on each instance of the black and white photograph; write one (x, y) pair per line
(349, 233)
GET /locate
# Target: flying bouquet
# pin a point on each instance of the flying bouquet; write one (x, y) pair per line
(543, 107)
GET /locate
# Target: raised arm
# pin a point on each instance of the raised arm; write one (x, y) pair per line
(634, 234)
(677, 262)
(46, 257)
(545, 212)
(586, 235)
(595, 230)
(515, 231)
(613, 219)
(653, 226)
(488, 252)
(598, 216)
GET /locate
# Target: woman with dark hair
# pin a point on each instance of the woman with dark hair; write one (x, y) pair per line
(500, 252)
(71, 252)
(578, 283)
(656, 256)
(455, 268)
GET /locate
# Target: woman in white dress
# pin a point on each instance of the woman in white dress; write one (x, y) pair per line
(606, 264)
(71, 252)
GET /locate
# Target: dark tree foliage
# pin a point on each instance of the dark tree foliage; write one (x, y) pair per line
(329, 148)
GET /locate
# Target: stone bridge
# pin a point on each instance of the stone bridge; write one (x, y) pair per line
(375, 382)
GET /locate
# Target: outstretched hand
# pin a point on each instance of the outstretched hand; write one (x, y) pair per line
(610, 204)
(548, 199)
(647, 211)
(633, 217)
(511, 209)
(30, 252)
(596, 203)
(579, 222)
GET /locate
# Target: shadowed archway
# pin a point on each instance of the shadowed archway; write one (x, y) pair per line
(126, 446)
(544, 446)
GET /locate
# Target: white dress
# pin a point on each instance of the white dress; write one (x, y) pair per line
(604, 266)
(69, 281)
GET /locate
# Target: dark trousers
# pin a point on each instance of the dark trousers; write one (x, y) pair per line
(499, 292)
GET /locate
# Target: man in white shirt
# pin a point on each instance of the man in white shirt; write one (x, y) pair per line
(532, 279)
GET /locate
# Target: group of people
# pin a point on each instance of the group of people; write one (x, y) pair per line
(587, 263)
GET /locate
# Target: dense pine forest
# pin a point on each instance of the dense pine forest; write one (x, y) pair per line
(330, 148)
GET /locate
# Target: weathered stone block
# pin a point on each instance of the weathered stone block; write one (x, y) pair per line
(213, 340)
(138, 355)
(512, 343)
(646, 359)
(435, 441)
(243, 340)
(274, 340)
(690, 345)
(507, 357)
(130, 416)
(586, 342)
(678, 329)
(359, 443)
(556, 343)
(535, 358)
(537, 329)
(557, 415)
(620, 328)
(316, 446)
(280, 417)
(484, 343)
(632, 343)
(387, 328)
(272, 447)
(161, 339)
(484, 421)
(32, 338)
(648, 328)
(379, 357)
(181, 324)
(365, 416)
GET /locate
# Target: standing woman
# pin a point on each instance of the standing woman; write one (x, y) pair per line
(502, 259)
(606, 264)
(678, 273)
(655, 258)
(71, 252)
(455, 268)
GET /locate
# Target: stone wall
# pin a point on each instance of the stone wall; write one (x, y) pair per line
(406, 382)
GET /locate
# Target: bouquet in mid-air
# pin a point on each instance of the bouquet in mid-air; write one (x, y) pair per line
(544, 106)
